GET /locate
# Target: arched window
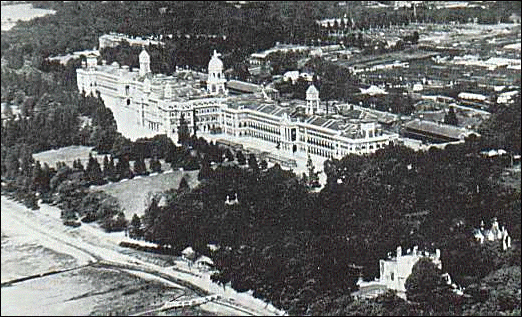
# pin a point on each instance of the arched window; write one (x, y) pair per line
(128, 102)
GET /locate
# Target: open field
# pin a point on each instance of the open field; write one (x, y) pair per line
(66, 154)
(86, 291)
(21, 258)
(23, 12)
(132, 193)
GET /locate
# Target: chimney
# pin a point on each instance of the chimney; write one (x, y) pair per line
(415, 248)
(399, 251)
(437, 254)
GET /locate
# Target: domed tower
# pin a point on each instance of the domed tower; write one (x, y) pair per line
(312, 100)
(216, 80)
(144, 63)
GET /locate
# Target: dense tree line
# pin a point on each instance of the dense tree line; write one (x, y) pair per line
(306, 245)
(502, 131)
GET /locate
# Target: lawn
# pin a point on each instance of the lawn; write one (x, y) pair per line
(132, 194)
(66, 154)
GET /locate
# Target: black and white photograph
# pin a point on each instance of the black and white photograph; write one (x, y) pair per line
(260, 158)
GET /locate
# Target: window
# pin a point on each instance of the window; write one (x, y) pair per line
(391, 276)
(128, 102)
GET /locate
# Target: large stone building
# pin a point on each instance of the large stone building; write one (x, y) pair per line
(157, 103)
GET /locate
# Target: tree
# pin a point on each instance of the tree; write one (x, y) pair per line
(252, 163)
(93, 171)
(496, 294)
(426, 286)
(12, 165)
(123, 168)
(183, 131)
(155, 165)
(183, 185)
(114, 223)
(135, 230)
(139, 166)
(109, 170)
(241, 160)
(415, 37)
(205, 170)
(312, 175)
(229, 156)
(451, 117)
(37, 176)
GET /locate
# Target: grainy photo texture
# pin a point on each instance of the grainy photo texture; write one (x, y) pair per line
(263, 158)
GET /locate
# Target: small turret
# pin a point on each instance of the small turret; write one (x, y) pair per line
(92, 61)
(144, 62)
(312, 100)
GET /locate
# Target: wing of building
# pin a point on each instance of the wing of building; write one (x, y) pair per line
(157, 103)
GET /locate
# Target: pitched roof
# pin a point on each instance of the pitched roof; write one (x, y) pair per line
(439, 129)
(312, 90)
(243, 86)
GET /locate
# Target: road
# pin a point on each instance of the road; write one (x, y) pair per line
(91, 246)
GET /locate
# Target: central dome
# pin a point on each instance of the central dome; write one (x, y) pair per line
(215, 63)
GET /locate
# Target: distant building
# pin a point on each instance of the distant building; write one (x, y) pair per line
(291, 75)
(395, 270)
(204, 263)
(188, 254)
(115, 39)
(472, 96)
(63, 59)
(493, 234)
(434, 132)
(261, 58)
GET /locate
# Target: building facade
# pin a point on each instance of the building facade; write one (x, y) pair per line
(158, 102)
(395, 270)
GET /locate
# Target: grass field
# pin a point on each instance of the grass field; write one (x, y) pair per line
(66, 154)
(132, 193)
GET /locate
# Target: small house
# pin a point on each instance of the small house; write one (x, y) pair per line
(188, 254)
